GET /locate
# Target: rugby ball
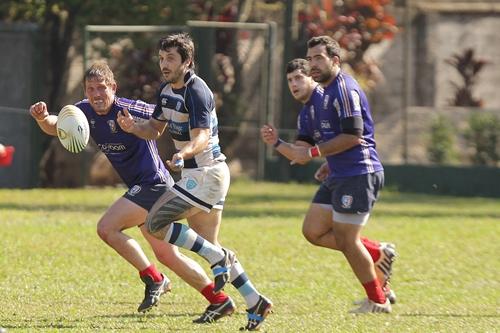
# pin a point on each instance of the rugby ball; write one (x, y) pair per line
(72, 129)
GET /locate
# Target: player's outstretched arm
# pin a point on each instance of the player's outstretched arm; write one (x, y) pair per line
(296, 153)
(149, 130)
(47, 122)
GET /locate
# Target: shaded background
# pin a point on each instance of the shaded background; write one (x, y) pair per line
(429, 67)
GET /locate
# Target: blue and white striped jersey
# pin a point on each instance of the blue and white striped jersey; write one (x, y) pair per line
(343, 98)
(136, 160)
(185, 109)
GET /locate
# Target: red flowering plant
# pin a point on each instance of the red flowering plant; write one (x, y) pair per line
(356, 25)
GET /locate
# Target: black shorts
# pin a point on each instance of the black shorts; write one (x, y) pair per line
(351, 195)
(145, 195)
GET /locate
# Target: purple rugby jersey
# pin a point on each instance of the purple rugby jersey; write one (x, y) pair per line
(136, 160)
(320, 120)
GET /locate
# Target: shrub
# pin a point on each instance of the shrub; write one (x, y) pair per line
(441, 144)
(483, 135)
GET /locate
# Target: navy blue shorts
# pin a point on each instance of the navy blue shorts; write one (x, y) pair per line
(351, 195)
(145, 195)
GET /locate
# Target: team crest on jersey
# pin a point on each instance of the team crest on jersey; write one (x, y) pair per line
(178, 106)
(190, 184)
(164, 101)
(92, 123)
(134, 190)
(346, 201)
(355, 100)
(337, 106)
(112, 125)
(326, 99)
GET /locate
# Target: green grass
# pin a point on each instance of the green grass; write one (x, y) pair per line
(56, 275)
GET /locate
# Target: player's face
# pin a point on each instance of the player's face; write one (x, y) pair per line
(300, 85)
(172, 67)
(322, 65)
(100, 95)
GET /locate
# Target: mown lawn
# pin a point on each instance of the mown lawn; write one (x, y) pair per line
(56, 275)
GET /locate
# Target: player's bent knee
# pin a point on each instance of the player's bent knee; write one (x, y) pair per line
(103, 231)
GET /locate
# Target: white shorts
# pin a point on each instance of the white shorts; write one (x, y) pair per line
(204, 187)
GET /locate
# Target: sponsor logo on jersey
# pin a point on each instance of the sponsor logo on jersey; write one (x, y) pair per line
(111, 147)
(134, 190)
(337, 106)
(325, 101)
(346, 201)
(325, 124)
(176, 128)
(112, 126)
(190, 184)
(355, 100)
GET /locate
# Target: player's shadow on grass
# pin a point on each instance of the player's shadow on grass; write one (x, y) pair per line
(433, 214)
(29, 324)
(452, 315)
(53, 208)
(146, 316)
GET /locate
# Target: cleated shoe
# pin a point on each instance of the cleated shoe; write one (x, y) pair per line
(222, 270)
(216, 311)
(370, 306)
(153, 292)
(257, 314)
(383, 266)
(389, 293)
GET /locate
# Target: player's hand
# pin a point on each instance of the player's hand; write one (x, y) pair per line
(300, 155)
(322, 173)
(269, 134)
(39, 111)
(125, 121)
(176, 163)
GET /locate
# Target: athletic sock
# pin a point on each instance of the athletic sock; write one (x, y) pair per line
(208, 293)
(244, 286)
(183, 236)
(373, 248)
(152, 272)
(374, 291)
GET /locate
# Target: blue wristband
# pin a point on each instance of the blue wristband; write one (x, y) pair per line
(278, 143)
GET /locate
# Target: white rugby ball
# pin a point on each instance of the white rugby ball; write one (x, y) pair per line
(72, 129)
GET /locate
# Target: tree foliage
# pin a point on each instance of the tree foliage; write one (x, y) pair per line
(356, 25)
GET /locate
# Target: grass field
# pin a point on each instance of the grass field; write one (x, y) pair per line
(56, 275)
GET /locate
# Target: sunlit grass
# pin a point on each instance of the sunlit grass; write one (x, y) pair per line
(56, 275)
